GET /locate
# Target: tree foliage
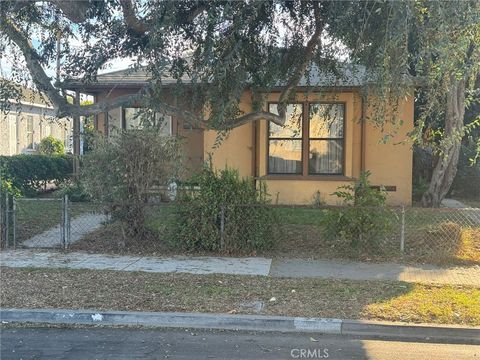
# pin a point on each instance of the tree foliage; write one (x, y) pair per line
(225, 47)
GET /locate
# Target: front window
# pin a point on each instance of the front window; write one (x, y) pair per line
(325, 152)
(285, 143)
(133, 118)
(310, 143)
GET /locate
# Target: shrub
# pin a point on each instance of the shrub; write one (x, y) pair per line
(249, 224)
(29, 173)
(51, 146)
(75, 190)
(119, 171)
(363, 220)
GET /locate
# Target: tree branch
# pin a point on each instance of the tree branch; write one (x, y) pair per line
(64, 108)
(306, 60)
(258, 115)
(131, 19)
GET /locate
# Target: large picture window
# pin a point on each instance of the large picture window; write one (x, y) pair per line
(310, 143)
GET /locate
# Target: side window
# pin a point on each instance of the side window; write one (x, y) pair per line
(29, 132)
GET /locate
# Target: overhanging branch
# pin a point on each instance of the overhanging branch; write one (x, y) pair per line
(131, 19)
(64, 108)
(306, 60)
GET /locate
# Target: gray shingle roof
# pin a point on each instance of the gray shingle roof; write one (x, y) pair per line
(346, 76)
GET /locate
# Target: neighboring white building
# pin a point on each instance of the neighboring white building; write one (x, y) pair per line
(28, 122)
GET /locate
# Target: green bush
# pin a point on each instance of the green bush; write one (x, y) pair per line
(29, 173)
(362, 220)
(51, 146)
(249, 224)
(119, 171)
(75, 190)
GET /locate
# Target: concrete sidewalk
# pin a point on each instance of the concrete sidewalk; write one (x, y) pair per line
(180, 264)
(424, 274)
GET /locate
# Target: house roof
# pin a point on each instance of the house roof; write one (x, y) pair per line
(346, 75)
(29, 96)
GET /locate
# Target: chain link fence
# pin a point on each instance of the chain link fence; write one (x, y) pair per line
(403, 234)
(46, 222)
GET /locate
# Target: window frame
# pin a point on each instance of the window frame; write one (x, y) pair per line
(342, 139)
(305, 174)
(30, 133)
(301, 139)
(124, 119)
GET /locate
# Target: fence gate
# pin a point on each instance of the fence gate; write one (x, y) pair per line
(35, 222)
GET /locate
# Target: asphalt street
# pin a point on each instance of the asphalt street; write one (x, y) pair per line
(129, 343)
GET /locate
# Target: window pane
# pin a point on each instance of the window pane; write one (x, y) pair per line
(29, 132)
(285, 157)
(132, 118)
(325, 157)
(293, 125)
(165, 123)
(326, 120)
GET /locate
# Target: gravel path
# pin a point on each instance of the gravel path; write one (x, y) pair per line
(80, 226)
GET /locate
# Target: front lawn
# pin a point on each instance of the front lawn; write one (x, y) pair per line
(140, 291)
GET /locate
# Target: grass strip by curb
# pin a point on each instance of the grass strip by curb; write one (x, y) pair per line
(326, 298)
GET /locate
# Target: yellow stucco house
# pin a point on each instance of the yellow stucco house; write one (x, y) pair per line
(325, 143)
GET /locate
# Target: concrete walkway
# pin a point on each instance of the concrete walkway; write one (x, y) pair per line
(80, 226)
(180, 264)
(424, 274)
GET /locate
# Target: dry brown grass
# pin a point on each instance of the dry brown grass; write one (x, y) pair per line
(137, 291)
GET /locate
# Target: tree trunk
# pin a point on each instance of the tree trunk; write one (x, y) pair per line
(446, 166)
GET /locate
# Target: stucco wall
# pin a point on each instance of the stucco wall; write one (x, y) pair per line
(237, 149)
(245, 148)
(390, 164)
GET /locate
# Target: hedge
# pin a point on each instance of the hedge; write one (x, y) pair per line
(30, 172)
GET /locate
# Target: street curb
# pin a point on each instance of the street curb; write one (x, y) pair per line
(167, 319)
(432, 332)
(243, 322)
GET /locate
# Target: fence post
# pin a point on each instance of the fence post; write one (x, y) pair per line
(14, 221)
(7, 221)
(402, 230)
(2, 221)
(66, 223)
(62, 227)
(222, 227)
(69, 227)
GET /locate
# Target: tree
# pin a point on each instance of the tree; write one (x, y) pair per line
(226, 47)
(51, 146)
